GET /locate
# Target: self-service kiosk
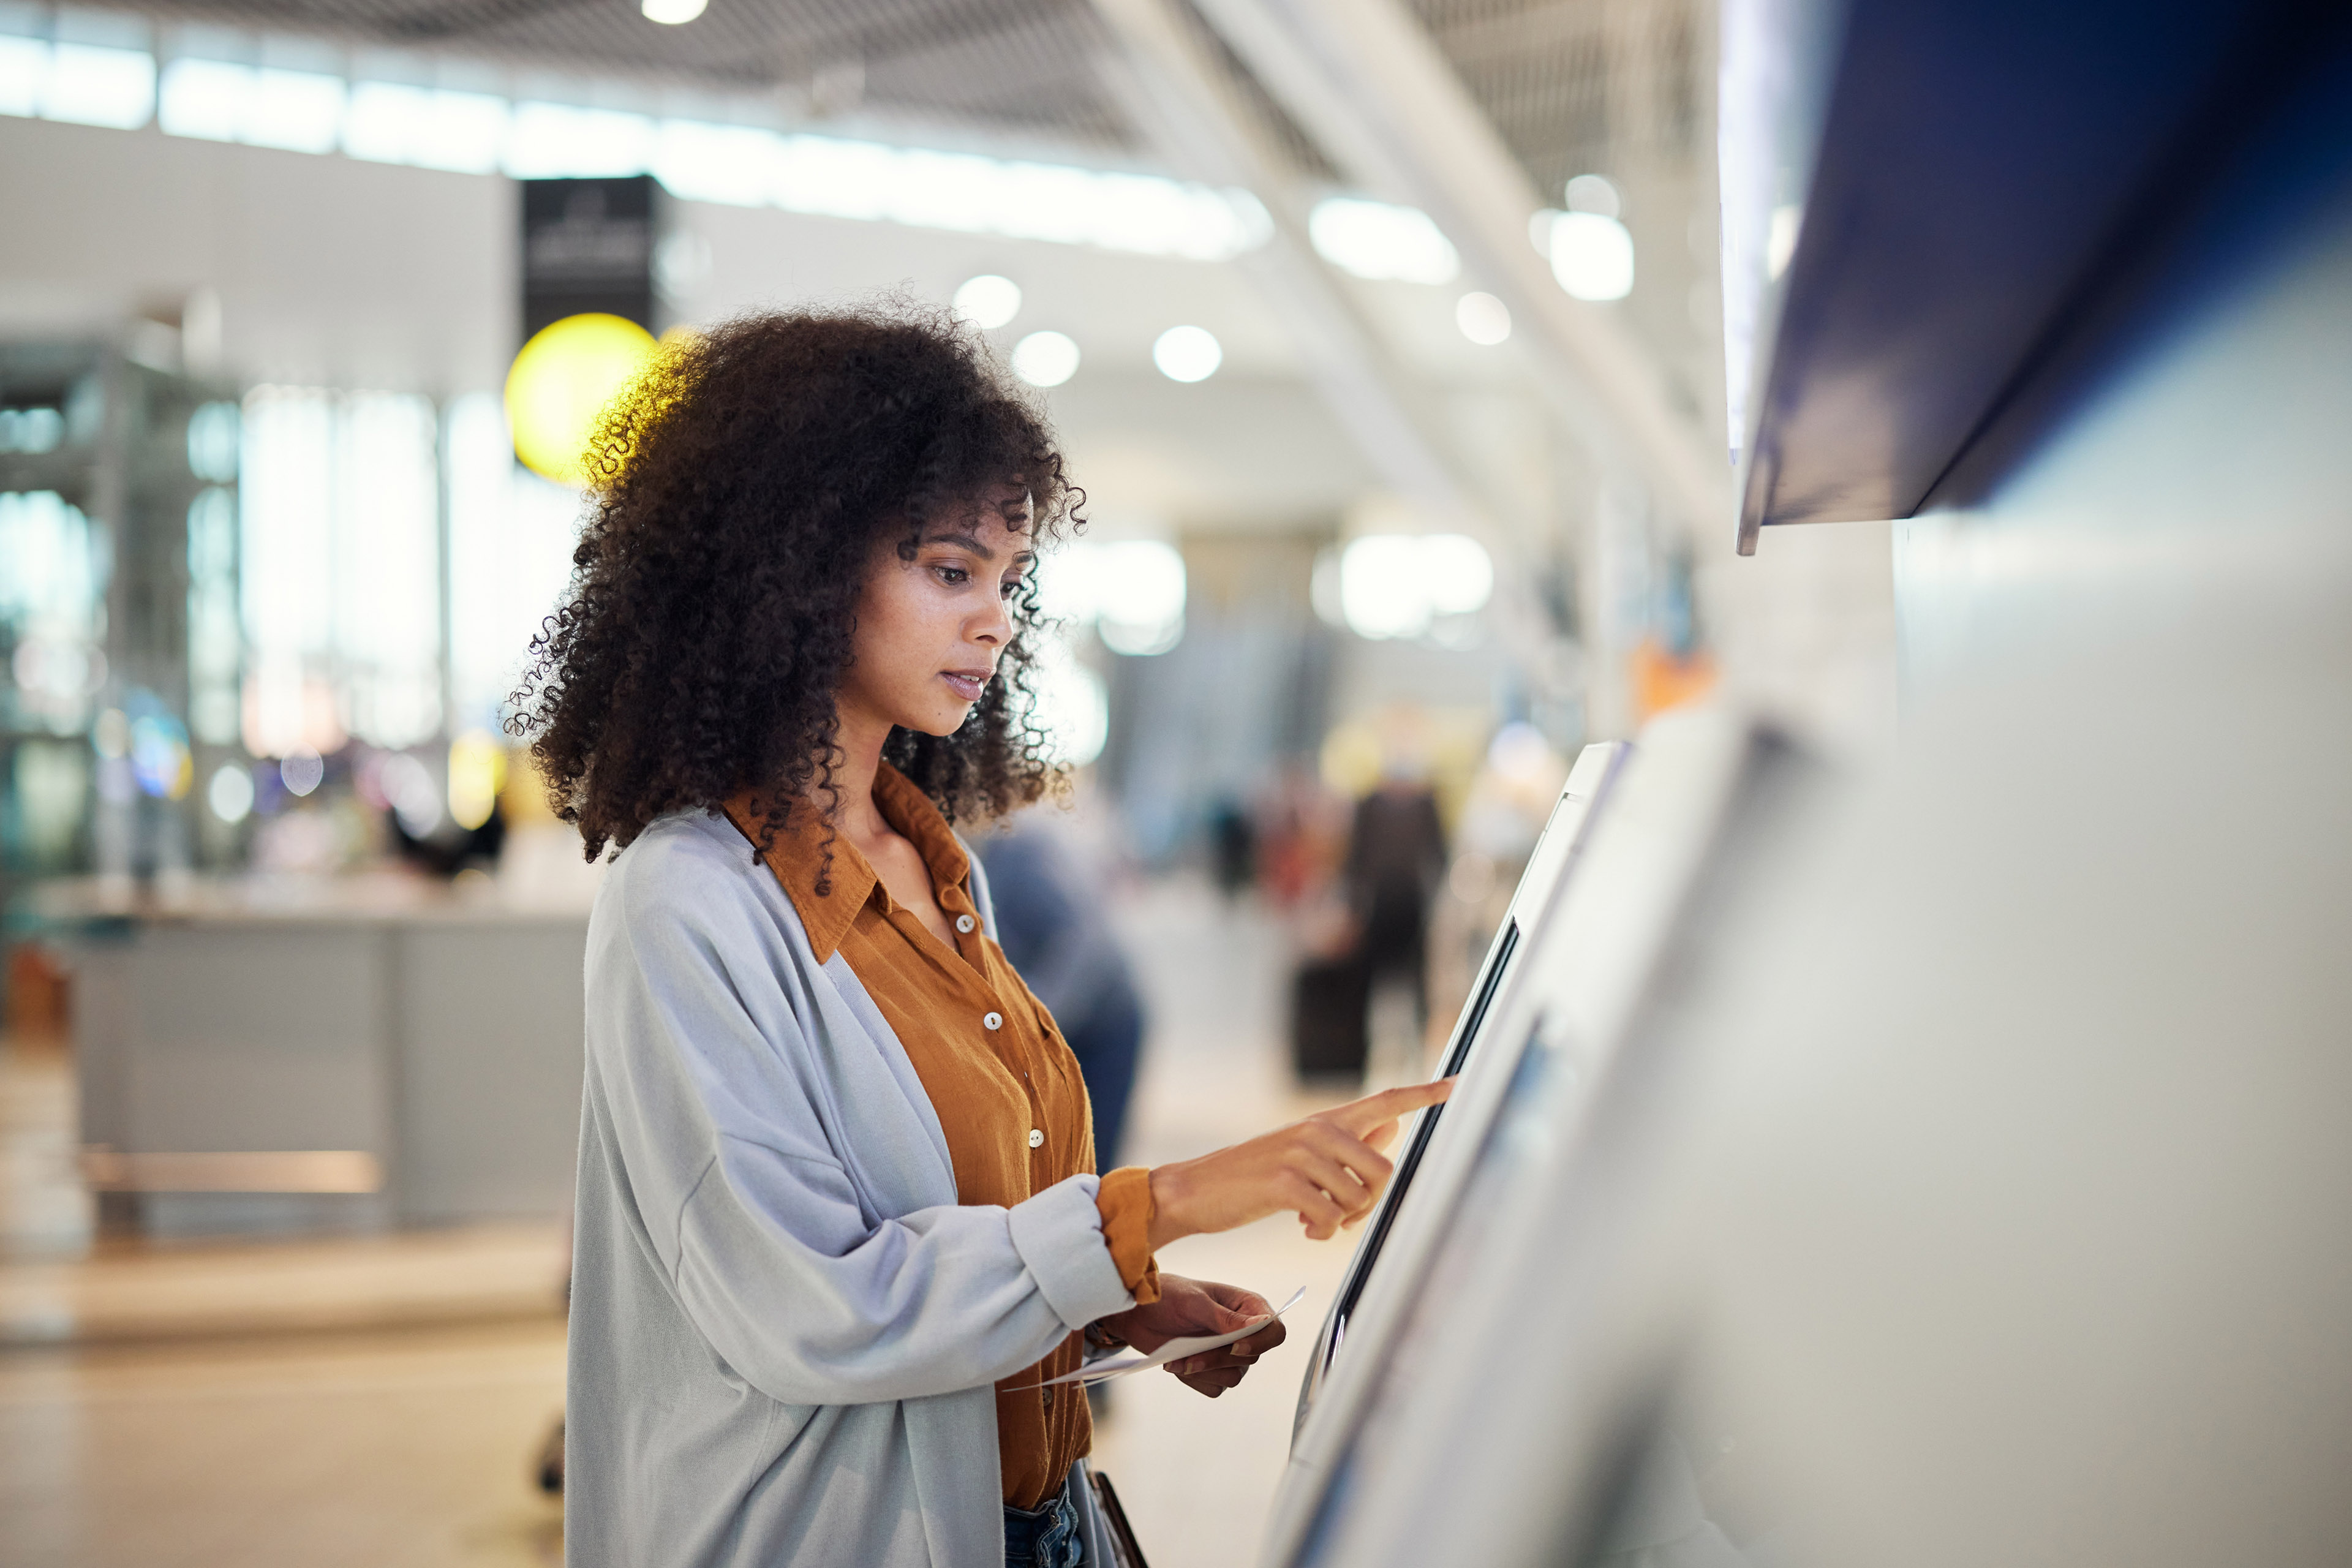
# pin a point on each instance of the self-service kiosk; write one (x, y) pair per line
(1417, 1180)
(1688, 805)
(1947, 1164)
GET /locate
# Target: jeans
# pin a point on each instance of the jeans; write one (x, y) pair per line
(1045, 1537)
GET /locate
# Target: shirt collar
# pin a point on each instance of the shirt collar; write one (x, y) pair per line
(797, 857)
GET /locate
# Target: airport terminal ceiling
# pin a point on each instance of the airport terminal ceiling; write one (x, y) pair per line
(1542, 70)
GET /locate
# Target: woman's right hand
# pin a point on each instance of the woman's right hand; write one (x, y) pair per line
(1328, 1169)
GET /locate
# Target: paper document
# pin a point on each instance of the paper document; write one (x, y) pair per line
(1174, 1350)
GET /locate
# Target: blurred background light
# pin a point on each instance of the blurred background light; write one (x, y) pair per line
(1187, 353)
(564, 378)
(1070, 704)
(302, 771)
(672, 13)
(111, 736)
(943, 190)
(1132, 592)
(386, 567)
(407, 786)
(1591, 255)
(214, 100)
(477, 772)
(297, 111)
(389, 123)
(31, 430)
(730, 164)
(160, 758)
(1397, 585)
(1593, 193)
(987, 301)
(212, 443)
(1378, 240)
(478, 133)
(1483, 318)
(215, 636)
(85, 84)
(204, 98)
(230, 795)
(563, 140)
(1046, 359)
(511, 539)
(23, 73)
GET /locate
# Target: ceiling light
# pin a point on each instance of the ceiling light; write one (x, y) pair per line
(1593, 193)
(1395, 585)
(1483, 318)
(1187, 353)
(89, 85)
(1592, 256)
(987, 301)
(1046, 359)
(1132, 590)
(1374, 239)
(672, 13)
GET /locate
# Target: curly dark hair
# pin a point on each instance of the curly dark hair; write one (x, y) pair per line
(739, 488)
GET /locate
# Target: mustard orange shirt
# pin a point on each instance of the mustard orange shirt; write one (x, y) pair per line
(1004, 1084)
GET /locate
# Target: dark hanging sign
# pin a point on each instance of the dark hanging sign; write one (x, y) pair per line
(588, 245)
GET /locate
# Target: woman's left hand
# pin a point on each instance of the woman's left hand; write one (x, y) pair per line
(1189, 1307)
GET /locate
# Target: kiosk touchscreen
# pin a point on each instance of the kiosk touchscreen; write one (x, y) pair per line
(1552, 1047)
(1548, 871)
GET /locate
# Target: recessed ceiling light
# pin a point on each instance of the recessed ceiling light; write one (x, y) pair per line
(1187, 353)
(987, 301)
(1483, 318)
(672, 12)
(1046, 359)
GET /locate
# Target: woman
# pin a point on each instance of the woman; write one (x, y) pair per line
(838, 1221)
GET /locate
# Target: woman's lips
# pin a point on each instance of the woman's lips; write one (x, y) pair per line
(968, 684)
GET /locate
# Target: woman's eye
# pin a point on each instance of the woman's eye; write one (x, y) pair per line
(1013, 586)
(953, 576)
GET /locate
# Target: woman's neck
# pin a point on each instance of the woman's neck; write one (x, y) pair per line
(860, 739)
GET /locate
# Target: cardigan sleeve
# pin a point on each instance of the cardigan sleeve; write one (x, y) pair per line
(717, 1133)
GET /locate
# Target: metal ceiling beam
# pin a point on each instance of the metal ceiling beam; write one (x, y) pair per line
(1184, 100)
(1367, 82)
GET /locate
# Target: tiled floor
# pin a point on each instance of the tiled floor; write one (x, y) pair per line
(399, 1450)
(204, 1433)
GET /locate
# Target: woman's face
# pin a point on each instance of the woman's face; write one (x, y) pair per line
(930, 627)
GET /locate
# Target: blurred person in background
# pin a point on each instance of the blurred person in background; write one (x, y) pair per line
(449, 849)
(1233, 846)
(1054, 925)
(1396, 853)
(839, 1223)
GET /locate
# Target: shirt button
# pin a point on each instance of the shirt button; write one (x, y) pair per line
(1036, 1137)
(963, 924)
(993, 1021)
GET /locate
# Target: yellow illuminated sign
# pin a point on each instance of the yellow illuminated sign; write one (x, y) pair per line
(560, 382)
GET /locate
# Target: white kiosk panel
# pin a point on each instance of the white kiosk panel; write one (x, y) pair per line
(1510, 1133)
(1548, 865)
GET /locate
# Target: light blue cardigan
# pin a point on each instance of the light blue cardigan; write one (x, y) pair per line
(784, 1329)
